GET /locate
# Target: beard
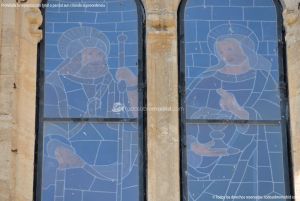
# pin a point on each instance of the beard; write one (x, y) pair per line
(88, 71)
(92, 70)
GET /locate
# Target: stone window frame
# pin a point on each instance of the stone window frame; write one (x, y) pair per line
(284, 103)
(141, 120)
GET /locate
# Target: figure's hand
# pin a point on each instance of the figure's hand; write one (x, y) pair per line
(203, 150)
(229, 103)
(126, 75)
(67, 158)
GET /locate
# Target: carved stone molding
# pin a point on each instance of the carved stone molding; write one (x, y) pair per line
(35, 19)
(291, 16)
(161, 24)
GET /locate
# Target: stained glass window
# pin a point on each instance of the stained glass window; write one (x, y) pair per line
(234, 123)
(91, 86)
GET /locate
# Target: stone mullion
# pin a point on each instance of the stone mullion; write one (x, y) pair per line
(163, 176)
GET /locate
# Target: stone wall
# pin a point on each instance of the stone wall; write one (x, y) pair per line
(292, 24)
(18, 55)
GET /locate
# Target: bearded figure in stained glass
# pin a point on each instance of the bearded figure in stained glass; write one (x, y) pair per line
(101, 156)
(83, 85)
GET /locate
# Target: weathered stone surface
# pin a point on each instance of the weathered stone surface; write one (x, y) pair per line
(162, 75)
(291, 16)
(18, 50)
(162, 132)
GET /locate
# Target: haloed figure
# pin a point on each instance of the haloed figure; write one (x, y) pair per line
(83, 86)
(239, 87)
(91, 64)
(233, 56)
(85, 77)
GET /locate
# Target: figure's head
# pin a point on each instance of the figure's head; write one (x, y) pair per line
(90, 63)
(231, 51)
(235, 44)
(94, 63)
(86, 50)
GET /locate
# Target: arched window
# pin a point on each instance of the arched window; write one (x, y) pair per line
(233, 89)
(90, 135)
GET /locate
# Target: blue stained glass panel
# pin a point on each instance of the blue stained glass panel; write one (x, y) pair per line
(234, 160)
(231, 55)
(91, 72)
(90, 161)
(91, 59)
(232, 67)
